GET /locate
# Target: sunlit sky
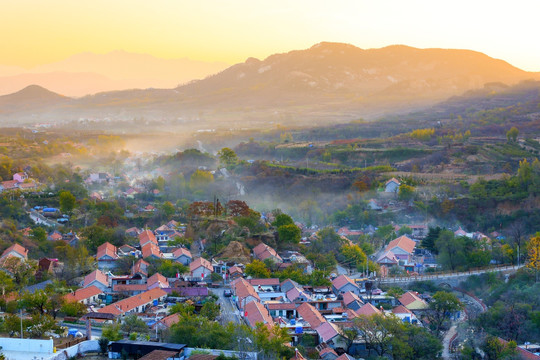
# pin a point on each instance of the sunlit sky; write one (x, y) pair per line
(37, 32)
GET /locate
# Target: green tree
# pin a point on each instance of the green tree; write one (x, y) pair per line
(404, 230)
(111, 332)
(73, 309)
(289, 234)
(442, 304)
(167, 209)
(450, 249)
(282, 219)
(210, 310)
(257, 269)
(227, 157)
(354, 256)
(133, 324)
(67, 201)
(429, 241)
(39, 234)
(512, 134)
(6, 283)
(200, 179)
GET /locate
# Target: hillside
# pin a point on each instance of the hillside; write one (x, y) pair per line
(328, 81)
(31, 98)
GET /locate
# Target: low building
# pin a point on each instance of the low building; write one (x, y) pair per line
(263, 252)
(392, 186)
(135, 304)
(412, 301)
(343, 284)
(97, 278)
(183, 256)
(106, 256)
(85, 296)
(200, 268)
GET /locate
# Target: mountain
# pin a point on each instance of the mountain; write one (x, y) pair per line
(31, 98)
(327, 82)
(90, 73)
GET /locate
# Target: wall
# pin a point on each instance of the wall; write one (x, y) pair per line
(30, 345)
(85, 346)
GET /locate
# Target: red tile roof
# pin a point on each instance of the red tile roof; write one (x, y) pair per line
(243, 289)
(281, 306)
(83, 294)
(106, 249)
(123, 306)
(263, 251)
(130, 287)
(264, 282)
(368, 310)
(401, 310)
(327, 331)
(159, 355)
(349, 297)
(140, 267)
(311, 315)
(235, 270)
(158, 278)
(403, 242)
(168, 321)
(96, 275)
(341, 281)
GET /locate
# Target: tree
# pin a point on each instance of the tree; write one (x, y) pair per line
(534, 255)
(39, 234)
(377, 331)
(282, 219)
(21, 270)
(132, 323)
(35, 302)
(257, 269)
(103, 344)
(210, 310)
(406, 192)
(6, 283)
(73, 309)
(441, 306)
(227, 157)
(354, 256)
(429, 241)
(111, 332)
(289, 234)
(450, 249)
(404, 230)
(271, 342)
(67, 201)
(167, 209)
(512, 134)
(236, 208)
(200, 179)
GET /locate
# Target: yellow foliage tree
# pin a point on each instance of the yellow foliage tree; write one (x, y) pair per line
(534, 255)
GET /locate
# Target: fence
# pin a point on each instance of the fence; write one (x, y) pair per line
(70, 343)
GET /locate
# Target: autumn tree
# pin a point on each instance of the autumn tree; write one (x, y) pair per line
(534, 255)
(441, 306)
(512, 134)
(236, 208)
(257, 269)
(227, 157)
(67, 201)
(289, 234)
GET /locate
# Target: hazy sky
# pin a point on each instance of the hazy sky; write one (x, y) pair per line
(37, 32)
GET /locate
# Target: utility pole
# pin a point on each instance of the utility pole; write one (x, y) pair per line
(20, 310)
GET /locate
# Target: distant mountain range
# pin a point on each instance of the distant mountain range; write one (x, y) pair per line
(329, 81)
(90, 73)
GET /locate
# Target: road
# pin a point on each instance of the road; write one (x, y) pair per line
(40, 219)
(96, 332)
(229, 312)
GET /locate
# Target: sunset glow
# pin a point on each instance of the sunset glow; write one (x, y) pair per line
(39, 32)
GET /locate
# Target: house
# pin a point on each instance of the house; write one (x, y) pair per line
(182, 255)
(402, 247)
(166, 322)
(106, 256)
(10, 184)
(151, 250)
(85, 296)
(263, 252)
(328, 353)
(157, 280)
(343, 284)
(49, 266)
(235, 272)
(405, 314)
(55, 236)
(345, 357)
(15, 250)
(135, 304)
(310, 315)
(388, 258)
(330, 334)
(284, 310)
(419, 231)
(412, 301)
(98, 279)
(297, 295)
(96, 196)
(368, 310)
(255, 312)
(244, 292)
(133, 231)
(288, 284)
(140, 268)
(28, 185)
(373, 205)
(392, 186)
(265, 284)
(352, 301)
(146, 236)
(200, 268)
(127, 250)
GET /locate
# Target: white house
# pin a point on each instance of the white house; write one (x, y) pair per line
(392, 186)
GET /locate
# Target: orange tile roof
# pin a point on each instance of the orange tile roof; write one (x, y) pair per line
(129, 287)
(263, 251)
(19, 249)
(401, 310)
(200, 262)
(257, 313)
(168, 321)
(82, 294)
(235, 269)
(151, 249)
(311, 315)
(403, 242)
(107, 249)
(123, 306)
(96, 275)
(181, 251)
(158, 278)
(147, 236)
(140, 267)
(349, 297)
(243, 289)
(409, 297)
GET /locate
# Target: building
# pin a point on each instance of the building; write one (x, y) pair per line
(146, 236)
(200, 268)
(255, 313)
(263, 252)
(402, 247)
(183, 256)
(244, 293)
(85, 296)
(392, 186)
(135, 304)
(352, 301)
(106, 256)
(14, 250)
(151, 250)
(343, 284)
(412, 301)
(98, 279)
